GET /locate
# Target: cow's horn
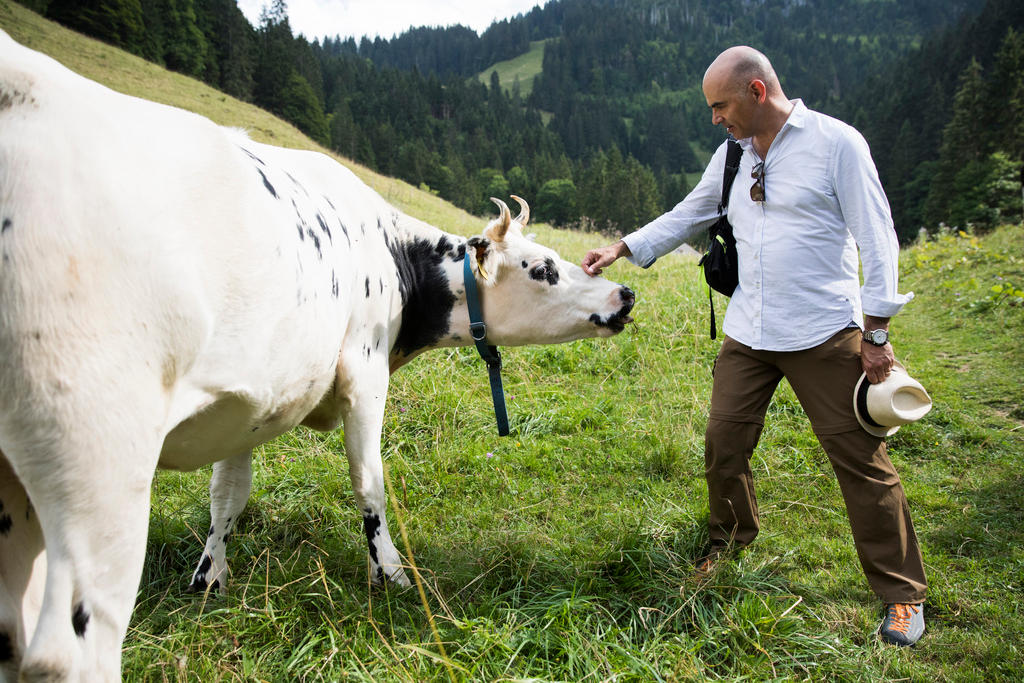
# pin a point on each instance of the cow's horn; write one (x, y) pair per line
(506, 219)
(524, 211)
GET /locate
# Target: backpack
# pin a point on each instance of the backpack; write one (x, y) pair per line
(721, 268)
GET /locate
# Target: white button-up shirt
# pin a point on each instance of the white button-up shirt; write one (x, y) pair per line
(797, 250)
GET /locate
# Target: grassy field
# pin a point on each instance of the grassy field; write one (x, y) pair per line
(563, 552)
(526, 66)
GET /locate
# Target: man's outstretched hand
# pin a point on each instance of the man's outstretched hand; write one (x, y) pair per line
(597, 260)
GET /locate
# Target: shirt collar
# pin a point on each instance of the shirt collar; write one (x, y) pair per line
(798, 115)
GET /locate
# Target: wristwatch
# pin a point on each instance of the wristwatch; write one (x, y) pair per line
(877, 337)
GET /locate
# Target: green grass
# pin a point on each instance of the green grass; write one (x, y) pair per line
(525, 66)
(563, 552)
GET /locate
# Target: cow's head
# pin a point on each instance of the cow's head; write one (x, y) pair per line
(530, 295)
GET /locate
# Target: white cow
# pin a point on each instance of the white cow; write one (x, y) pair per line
(173, 294)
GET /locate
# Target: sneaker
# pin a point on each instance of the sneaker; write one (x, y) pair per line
(903, 624)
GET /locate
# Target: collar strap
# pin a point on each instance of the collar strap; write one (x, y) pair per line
(490, 354)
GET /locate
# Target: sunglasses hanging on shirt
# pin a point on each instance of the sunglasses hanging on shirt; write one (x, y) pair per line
(757, 189)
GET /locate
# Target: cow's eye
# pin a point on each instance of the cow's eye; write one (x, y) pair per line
(545, 272)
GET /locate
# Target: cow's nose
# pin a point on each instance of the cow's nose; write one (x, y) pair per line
(628, 299)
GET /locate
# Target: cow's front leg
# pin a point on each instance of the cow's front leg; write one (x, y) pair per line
(229, 492)
(363, 414)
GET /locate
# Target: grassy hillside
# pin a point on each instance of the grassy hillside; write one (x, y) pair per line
(563, 552)
(526, 66)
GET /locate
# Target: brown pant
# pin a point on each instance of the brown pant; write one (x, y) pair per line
(823, 379)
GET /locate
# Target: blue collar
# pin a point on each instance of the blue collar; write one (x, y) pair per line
(478, 330)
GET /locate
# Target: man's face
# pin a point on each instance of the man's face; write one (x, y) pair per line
(732, 108)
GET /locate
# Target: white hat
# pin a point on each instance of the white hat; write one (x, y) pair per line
(883, 408)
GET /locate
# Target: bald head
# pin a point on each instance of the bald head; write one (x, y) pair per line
(735, 68)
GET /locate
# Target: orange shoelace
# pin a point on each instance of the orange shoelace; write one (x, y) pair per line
(900, 615)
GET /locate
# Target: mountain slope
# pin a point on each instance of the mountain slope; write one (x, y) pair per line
(524, 67)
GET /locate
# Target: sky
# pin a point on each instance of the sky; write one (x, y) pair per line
(386, 18)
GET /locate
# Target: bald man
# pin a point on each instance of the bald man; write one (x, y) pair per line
(810, 202)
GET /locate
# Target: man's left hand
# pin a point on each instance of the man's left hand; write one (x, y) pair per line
(877, 361)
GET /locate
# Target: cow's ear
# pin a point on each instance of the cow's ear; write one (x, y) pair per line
(482, 247)
(500, 227)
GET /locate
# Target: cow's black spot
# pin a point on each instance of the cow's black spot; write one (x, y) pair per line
(8, 224)
(334, 285)
(204, 566)
(382, 285)
(296, 183)
(323, 226)
(224, 538)
(215, 585)
(211, 531)
(253, 156)
(302, 234)
(525, 264)
(6, 648)
(316, 241)
(371, 525)
(459, 253)
(548, 271)
(329, 203)
(79, 620)
(427, 299)
(367, 287)
(266, 183)
(5, 524)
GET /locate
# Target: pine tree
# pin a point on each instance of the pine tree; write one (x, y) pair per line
(1007, 93)
(118, 22)
(232, 43)
(963, 141)
(184, 45)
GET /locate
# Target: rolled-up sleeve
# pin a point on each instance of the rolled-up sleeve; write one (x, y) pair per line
(869, 219)
(697, 211)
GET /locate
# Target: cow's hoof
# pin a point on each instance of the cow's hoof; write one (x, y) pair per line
(395, 578)
(400, 578)
(200, 586)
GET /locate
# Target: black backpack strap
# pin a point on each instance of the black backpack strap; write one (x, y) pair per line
(732, 164)
(714, 327)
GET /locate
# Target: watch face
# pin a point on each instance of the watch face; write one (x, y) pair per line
(879, 336)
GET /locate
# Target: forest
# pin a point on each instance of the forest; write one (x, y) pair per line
(615, 126)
